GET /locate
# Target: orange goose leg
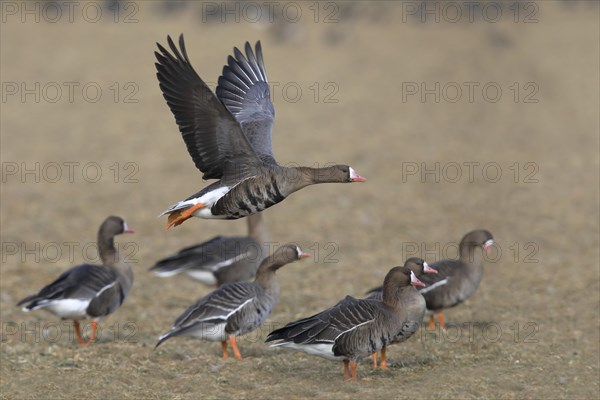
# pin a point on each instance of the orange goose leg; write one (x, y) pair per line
(383, 364)
(236, 351)
(347, 369)
(440, 317)
(375, 360)
(80, 338)
(353, 365)
(177, 217)
(93, 334)
(224, 349)
(431, 324)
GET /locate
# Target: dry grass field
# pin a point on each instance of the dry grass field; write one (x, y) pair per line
(351, 84)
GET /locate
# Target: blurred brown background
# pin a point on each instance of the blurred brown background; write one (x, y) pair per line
(384, 87)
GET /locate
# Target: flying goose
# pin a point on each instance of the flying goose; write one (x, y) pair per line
(228, 136)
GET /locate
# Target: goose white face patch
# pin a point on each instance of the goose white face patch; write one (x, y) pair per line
(354, 177)
(413, 277)
(429, 270)
(352, 173)
(126, 228)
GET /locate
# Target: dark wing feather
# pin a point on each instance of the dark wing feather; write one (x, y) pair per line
(215, 308)
(244, 90)
(221, 247)
(213, 137)
(107, 302)
(294, 329)
(202, 247)
(375, 293)
(211, 255)
(356, 329)
(219, 305)
(328, 325)
(80, 282)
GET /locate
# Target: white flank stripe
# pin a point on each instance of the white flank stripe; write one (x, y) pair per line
(354, 327)
(215, 332)
(435, 285)
(239, 307)
(227, 262)
(105, 288)
(245, 179)
(230, 313)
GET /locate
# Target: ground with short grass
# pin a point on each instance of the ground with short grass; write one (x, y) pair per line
(532, 329)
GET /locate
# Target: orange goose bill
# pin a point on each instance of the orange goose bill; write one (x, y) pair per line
(235, 309)
(88, 290)
(228, 136)
(353, 328)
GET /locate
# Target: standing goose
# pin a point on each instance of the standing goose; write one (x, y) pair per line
(229, 137)
(235, 308)
(415, 307)
(353, 328)
(222, 259)
(456, 280)
(89, 290)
